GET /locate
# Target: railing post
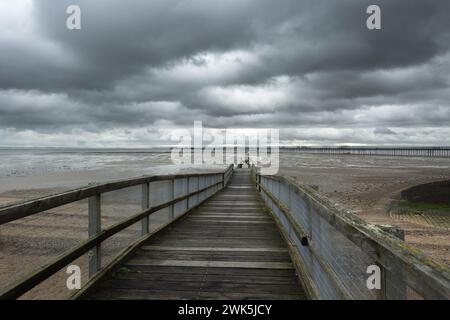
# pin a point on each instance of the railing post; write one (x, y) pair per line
(172, 196)
(223, 179)
(393, 281)
(94, 227)
(145, 203)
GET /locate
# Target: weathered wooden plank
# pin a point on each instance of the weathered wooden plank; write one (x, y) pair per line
(211, 264)
(266, 249)
(126, 294)
(247, 222)
(226, 242)
(189, 277)
(225, 272)
(203, 286)
(207, 256)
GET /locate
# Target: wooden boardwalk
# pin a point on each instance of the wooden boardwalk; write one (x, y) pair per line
(228, 248)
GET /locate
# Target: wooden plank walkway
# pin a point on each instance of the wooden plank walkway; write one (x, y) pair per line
(228, 248)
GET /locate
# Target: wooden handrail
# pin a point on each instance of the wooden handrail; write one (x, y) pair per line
(17, 211)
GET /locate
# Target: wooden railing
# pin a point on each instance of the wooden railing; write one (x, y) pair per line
(332, 249)
(211, 183)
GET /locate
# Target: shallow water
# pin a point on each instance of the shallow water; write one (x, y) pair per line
(67, 168)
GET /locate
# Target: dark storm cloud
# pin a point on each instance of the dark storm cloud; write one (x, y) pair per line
(249, 63)
(121, 38)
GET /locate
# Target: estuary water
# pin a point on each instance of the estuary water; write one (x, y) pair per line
(25, 169)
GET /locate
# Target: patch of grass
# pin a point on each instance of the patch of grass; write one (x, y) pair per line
(435, 214)
(424, 206)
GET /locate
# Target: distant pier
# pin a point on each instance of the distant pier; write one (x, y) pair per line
(435, 152)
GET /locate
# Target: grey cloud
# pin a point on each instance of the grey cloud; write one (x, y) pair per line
(383, 131)
(256, 63)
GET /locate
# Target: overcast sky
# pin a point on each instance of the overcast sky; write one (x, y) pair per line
(139, 68)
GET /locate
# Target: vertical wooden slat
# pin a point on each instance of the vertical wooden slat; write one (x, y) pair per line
(145, 203)
(198, 188)
(382, 293)
(94, 227)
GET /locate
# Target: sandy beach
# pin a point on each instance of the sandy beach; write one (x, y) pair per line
(361, 184)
